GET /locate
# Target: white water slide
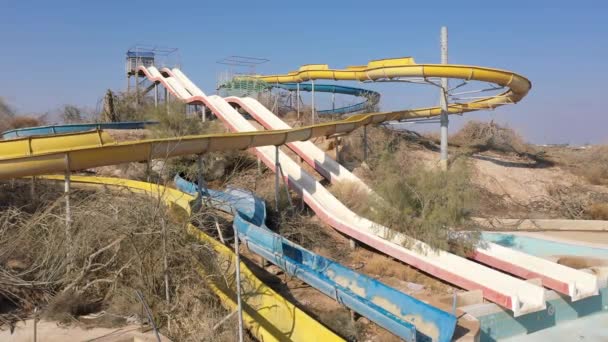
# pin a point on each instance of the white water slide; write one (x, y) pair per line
(571, 282)
(517, 295)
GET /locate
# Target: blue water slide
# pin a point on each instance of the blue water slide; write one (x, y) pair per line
(403, 315)
(72, 128)
(371, 97)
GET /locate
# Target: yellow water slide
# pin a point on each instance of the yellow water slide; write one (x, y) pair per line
(266, 314)
(393, 69)
(271, 317)
(38, 156)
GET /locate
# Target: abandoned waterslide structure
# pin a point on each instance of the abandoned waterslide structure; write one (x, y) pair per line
(504, 283)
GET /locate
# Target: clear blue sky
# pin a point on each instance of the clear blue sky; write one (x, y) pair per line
(70, 52)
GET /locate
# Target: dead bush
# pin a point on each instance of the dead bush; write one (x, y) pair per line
(596, 174)
(571, 201)
(14, 122)
(597, 211)
(485, 136)
(25, 121)
(353, 195)
(426, 204)
(117, 242)
(590, 162)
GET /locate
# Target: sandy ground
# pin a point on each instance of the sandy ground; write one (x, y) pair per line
(523, 185)
(51, 332)
(512, 178)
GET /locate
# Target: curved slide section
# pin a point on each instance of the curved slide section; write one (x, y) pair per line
(571, 282)
(519, 296)
(371, 97)
(267, 315)
(29, 162)
(412, 320)
(395, 68)
(73, 128)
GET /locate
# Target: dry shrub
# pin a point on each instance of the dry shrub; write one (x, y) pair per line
(116, 244)
(571, 202)
(25, 121)
(426, 204)
(298, 228)
(352, 194)
(15, 122)
(597, 211)
(340, 320)
(590, 163)
(485, 136)
(596, 174)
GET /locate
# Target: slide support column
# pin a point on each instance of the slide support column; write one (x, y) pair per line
(365, 143)
(313, 100)
(238, 282)
(337, 143)
(298, 99)
(200, 179)
(33, 189)
(333, 101)
(443, 100)
(155, 94)
(276, 177)
(68, 209)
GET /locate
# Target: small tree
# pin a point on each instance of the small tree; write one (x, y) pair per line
(6, 111)
(71, 114)
(109, 113)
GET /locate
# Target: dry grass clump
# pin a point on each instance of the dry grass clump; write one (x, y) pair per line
(597, 211)
(490, 136)
(590, 163)
(353, 195)
(15, 122)
(116, 243)
(25, 121)
(175, 122)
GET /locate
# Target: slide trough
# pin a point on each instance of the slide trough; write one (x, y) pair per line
(411, 319)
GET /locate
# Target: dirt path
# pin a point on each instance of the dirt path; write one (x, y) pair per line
(52, 332)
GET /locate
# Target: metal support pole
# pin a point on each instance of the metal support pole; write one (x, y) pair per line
(137, 87)
(200, 180)
(66, 191)
(365, 143)
(35, 324)
(148, 313)
(68, 212)
(33, 189)
(276, 178)
(298, 99)
(155, 95)
(443, 101)
(333, 101)
(337, 146)
(165, 262)
(204, 111)
(238, 282)
(313, 100)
